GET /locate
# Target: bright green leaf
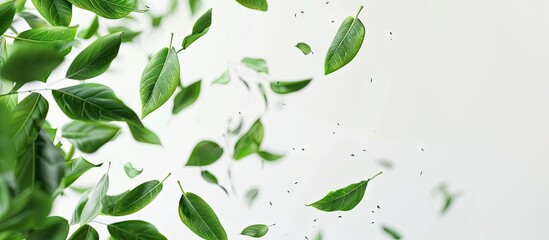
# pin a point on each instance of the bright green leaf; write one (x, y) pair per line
(85, 232)
(256, 230)
(142, 134)
(186, 97)
(194, 6)
(249, 142)
(138, 198)
(346, 44)
(257, 64)
(268, 156)
(88, 137)
(60, 39)
(304, 47)
(95, 59)
(200, 28)
(204, 154)
(74, 168)
(134, 230)
(111, 9)
(131, 171)
(198, 216)
(281, 87)
(159, 80)
(91, 30)
(260, 5)
(57, 12)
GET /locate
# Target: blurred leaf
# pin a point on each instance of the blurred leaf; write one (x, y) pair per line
(33, 20)
(391, 232)
(209, 177)
(95, 59)
(256, 230)
(251, 196)
(346, 44)
(186, 97)
(27, 64)
(91, 30)
(85, 232)
(137, 198)
(54, 228)
(237, 129)
(195, 5)
(343, 199)
(224, 78)
(88, 137)
(289, 87)
(271, 157)
(200, 28)
(198, 216)
(75, 168)
(27, 210)
(128, 34)
(134, 230)
(20, 5)
(131, 171)
(264, 94)
(257, 64)
(304, 47)
(260, 5)
(249, 142)
(57, 12)
(7, 12)
(142, 134)
(25, 121)
(204, 154)
(159, 80)
(111, 9)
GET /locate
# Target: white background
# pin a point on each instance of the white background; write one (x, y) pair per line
(464, 80)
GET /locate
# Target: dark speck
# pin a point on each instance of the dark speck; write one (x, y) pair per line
(373, 211)
(303, 149)
(288, 191)
(295, 14)
(293, 149)
(372, 222)
(332, 21)
(295, 183)
(306, 238)
(327, 2)
(364, 150)
(352, 155)
(338, 124)
(333, 132)
(271, 203)
(339, 217)
(302, 12)
(422, 150)
(391, 33)
(378, 207)
(371, 80)
(421, 173)
(239, 113)
(314, 220)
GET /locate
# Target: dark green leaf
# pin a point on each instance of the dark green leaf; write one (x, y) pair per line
(271, 157)
(343, 199)
(27, 64)
(256, 230)
(50, 168)
(128, 34)
(251, 196)
(111, 9)
(91, 30)
(249, 142)
(260, 5)
(85, 232)
(7, 12)
(131, 171)
(138, 198)
(33, 20)
(159, 80)
(204, 154)
(198, 216)
(134, 230)
(25, 121)
(346, 43)
(75, 168)
(209, 177)
(54, 228)
(96, 58)
(109, 201)
(88, 137)
(289, 87)
(200, 28)
(142, 134)
(27, 210)
(257, 64)
(186, 97)
(57, 12)
(391, 232)
(304, 47)
(92, 207)
(224, 78)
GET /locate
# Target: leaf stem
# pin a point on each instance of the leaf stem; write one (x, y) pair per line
(180, 187)
(26, 91)
(169, 174)
(359, 10)
(108, 168)
(100, 223)
(274, 224)
(171, 39)
(379, 173)
(180, 50)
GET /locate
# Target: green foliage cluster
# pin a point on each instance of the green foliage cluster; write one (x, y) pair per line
(35, 168)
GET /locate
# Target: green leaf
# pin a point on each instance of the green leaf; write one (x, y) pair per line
(204, 154)
(128, 34)
(52, 132)
(33, 21)
(27, 210)
(256, 230)
(343, 199)
(391, 232)
(237, 129)
(224, 78)
(131, 171)
(75, 168)
(57, 38)
(109, 201)
(138, 198)
(289, 87)
(194, 6)
(7, 12)
(134, 230)
(85, 232)
(91, 30)
(346, 44)
(92, 207)
(93, 102)
(88, 137)
(198, 216)
(249, 142)
(252, 195)
(25, 121)
(260, 5)
(96, 58)
(257, 64)
(77, 213)
(200, 28)
(448, 200)
(271, 157)
(159, 80)
(20, 5)
(111, 9)
(54, 228)
(318, 236)
(186, 97)
(264, 94)
(29, 64)
(49, 169)
(57, 12)
(142, 134)
(304, 47)
(209, 177)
